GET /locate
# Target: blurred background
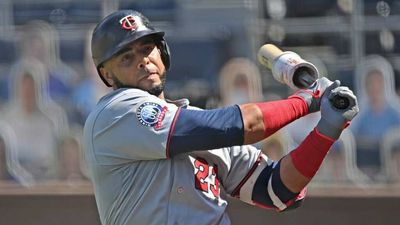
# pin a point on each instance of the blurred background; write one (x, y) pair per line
(49, 85)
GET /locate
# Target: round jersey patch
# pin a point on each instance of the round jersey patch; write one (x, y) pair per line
(148, 113)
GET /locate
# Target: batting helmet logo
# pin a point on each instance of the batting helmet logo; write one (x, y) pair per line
(128, 23)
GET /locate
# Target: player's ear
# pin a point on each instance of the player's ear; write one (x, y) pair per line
(107, 75)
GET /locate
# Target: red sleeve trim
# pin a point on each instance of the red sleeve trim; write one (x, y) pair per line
(171, 131)
(324, 136)
(236, 191)
(277, 114)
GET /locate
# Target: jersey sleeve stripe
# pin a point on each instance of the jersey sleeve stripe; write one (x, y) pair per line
(275, 199)
(246, 191)
(171, 131)
(236, 191)
(270, 192)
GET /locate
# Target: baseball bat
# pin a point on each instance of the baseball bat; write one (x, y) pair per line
(290, 69)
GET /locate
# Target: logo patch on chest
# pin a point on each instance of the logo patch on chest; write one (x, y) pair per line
(151, 114)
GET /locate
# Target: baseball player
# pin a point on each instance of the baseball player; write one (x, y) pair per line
(156, 161)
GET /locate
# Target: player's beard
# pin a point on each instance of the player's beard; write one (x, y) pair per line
(156, 90)
(118, 84)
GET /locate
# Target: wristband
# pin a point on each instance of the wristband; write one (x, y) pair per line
(308, 157)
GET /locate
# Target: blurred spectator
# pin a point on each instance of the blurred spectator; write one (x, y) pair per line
(275, 146)
(379, 111)
(10, 169)
(240, 82)
(4, 174)
(71, 166)
(6, 58)
(39, 40)
(89, 90)
(36, 120)
(390, 146)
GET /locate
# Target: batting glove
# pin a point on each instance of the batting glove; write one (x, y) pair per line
(334, 120)
(312, 95)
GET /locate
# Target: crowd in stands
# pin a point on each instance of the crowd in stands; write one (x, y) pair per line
(43, 108)
(44, 103)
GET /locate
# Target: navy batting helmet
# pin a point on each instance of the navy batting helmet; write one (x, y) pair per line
(119, 29)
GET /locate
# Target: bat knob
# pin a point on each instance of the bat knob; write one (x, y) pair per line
(340, 102)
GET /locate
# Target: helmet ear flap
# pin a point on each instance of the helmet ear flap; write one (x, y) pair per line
(165, 53)
(102, 76)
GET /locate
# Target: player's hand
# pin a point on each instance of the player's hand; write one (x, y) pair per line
(334, 120)
(312, 95)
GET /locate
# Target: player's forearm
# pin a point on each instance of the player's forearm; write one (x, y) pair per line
(260, 120)
(291, 177)
(300, 166)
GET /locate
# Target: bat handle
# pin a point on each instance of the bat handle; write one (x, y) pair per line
(340, 102)
(302, 79)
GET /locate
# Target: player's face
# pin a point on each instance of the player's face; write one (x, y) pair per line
(137, 65)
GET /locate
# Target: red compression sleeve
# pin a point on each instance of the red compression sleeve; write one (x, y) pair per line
(308, 157)
(277, 114)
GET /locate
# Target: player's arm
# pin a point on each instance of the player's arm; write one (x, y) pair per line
(280, 185)
(238, 125)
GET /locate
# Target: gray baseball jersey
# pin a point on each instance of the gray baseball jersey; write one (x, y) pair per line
(136, 182)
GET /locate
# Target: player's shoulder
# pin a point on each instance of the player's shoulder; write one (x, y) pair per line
(126, 97)
(124, 94)
(121, 101)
